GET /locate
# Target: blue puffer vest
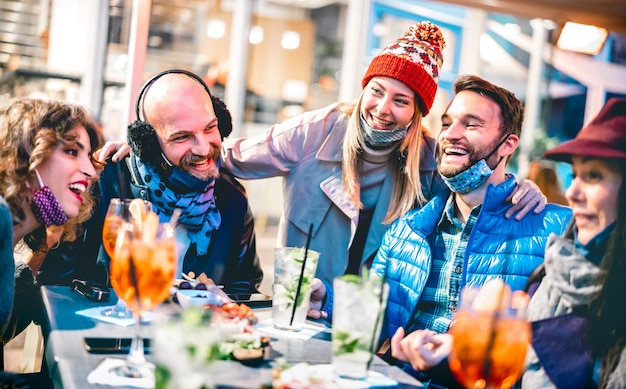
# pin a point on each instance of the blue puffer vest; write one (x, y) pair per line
(497, 248)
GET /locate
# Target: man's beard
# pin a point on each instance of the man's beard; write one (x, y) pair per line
(187, 163)
(474, 156)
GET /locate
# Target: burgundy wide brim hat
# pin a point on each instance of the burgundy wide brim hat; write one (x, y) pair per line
(603, 137)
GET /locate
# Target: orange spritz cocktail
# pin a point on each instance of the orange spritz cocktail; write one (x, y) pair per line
(142, 267)
(119, 209)
(144, 264)
(111, 226)
(489, 346)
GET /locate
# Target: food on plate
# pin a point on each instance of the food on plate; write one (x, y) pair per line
(203, 282)
(234, 312)
(243, 346)
(184, 285)
(246, 354)
(204, 279)
(234, 339)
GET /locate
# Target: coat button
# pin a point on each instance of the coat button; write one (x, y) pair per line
(458, 270)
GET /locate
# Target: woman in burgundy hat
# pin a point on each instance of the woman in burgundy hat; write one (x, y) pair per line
(579, 309)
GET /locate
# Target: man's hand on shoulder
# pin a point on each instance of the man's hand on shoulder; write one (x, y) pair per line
(117, 150)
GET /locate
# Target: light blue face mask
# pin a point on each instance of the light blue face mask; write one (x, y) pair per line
(381, 139)
(470, 178)
(474, 176)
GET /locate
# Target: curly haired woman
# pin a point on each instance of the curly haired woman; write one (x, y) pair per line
(46, 168)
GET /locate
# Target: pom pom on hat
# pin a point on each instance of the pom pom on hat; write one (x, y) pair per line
(415, 59)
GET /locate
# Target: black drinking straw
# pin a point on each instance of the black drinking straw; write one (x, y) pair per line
(121, 181)
(306, 251)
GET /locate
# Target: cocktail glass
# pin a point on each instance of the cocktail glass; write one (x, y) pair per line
(143, 267)
(118, 210)
(490, 339)
(290, 293)
(358, 307)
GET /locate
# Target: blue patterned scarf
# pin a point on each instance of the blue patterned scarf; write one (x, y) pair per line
(199, 212)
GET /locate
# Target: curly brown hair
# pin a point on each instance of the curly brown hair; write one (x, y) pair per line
(30, 131)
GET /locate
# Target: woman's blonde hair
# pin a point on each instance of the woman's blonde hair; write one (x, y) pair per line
(407, 188)
(31, 130)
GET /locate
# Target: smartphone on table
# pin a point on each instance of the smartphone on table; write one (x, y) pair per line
(253, 300)
(112, 345)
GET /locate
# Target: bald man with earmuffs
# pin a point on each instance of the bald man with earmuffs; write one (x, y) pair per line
(174, 163)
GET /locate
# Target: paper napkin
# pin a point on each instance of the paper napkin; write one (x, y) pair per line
(102, 375)
(305, 333)
(96, 313)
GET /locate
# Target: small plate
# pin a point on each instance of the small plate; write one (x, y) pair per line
(199, 298)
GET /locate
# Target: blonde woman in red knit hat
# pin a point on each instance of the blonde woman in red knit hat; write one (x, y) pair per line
(350, 169)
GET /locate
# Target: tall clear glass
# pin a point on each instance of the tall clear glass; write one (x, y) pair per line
(358, 308)
(118, 210)
(292, 286)
(491, 335)
(143, 268)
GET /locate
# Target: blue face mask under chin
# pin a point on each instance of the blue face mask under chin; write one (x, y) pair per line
(470, 178)
(474, 176)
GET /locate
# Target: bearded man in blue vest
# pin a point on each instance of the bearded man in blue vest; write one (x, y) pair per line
(461, 237)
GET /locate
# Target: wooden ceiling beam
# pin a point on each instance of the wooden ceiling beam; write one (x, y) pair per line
(610, 14)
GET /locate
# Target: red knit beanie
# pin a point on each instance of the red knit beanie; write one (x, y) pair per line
(414, 59)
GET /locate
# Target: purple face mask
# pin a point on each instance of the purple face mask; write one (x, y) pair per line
(45, 206)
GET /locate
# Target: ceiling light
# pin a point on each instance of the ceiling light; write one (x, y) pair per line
(256, 35)
(290, 40)
(215, 28)
(582, 38)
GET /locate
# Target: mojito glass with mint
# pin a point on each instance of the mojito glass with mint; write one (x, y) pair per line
(358, 307)
(288, 263)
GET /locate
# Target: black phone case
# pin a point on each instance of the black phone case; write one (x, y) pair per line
(254, 300)
(112, 345)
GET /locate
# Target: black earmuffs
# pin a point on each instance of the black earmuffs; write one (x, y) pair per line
(142, 137)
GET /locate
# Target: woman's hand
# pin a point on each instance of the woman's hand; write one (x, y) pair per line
(114, 149)
(318, 292)
(525, 197)
(423, 349)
